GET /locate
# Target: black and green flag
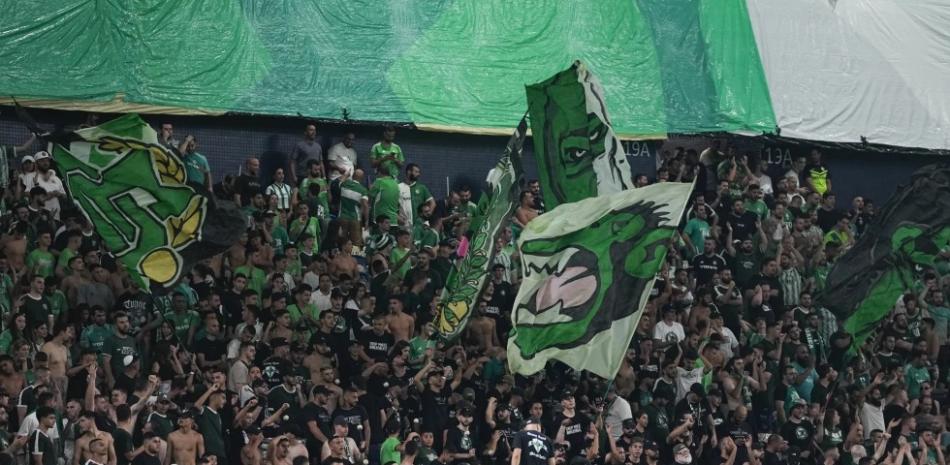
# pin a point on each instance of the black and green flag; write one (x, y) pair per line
(577, 152)
(135, 192)
(910, 231)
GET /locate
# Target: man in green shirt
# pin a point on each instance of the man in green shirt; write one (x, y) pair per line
(118, 348)
(302, 308)
(41, 261)
(697, 230)
(255, 276)
(278, 233)
(397, 258)
(916, 374)
(314, 176)
(386, 156)
(389, 450)
(384, 197)
(754, 202)
(197, 169)
(354, 205)
(418, 192)
(73, 242)
(94, 336)
(184, 320)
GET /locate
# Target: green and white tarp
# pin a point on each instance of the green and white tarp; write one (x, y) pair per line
(832, 70)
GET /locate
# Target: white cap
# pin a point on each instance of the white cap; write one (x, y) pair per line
(42, 154)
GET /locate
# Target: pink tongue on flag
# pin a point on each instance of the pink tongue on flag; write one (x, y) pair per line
(571, 294)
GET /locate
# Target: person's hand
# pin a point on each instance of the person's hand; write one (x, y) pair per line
(19, 441)
(153, 380)
(893, 424)
(252, 403)
(215, 387)
(565, 422)
(284, 407)
(609, 429)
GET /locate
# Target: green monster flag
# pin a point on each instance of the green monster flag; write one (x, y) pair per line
(134, 191)
(589, 267)
(577, 152)
(912, 230)
(466, 281)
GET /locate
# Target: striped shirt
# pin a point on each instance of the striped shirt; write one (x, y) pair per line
(283, 193)
(791, 281)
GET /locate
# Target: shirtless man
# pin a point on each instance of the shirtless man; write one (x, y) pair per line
(77, 277)
(185, 444)
(401, 324)
(93, 444)
(481, 329)
(279, 451)
(344, 263)
(237, 253)
(526, 211)
(319, 359)
(14, 247)
(11, 380)
(251, 452)
(57, 349)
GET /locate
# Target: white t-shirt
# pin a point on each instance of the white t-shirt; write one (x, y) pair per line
(321, 300)
(872, 418)
(685, 379)
(618, 412)
(669, 333)
(342, 158)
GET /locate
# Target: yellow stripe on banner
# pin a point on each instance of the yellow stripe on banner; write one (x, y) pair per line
(116, 105)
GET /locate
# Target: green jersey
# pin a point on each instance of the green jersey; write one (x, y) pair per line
(281, 238)
(310, 226)
(352, 195)
(57, 303)
(383, 150)
(306, 182)
(64, 257)
(296, 313)
(6, 288)
(697, 231)
(395, 257)
(424, 236)
(42, 262)
(183, 322)
(384, 196)
(255, 277)
(94, 337)
(388, 452)
(420, 194)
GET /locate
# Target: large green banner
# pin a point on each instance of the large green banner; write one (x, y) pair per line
(135, 192)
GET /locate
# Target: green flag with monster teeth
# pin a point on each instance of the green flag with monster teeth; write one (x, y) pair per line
(588, 269)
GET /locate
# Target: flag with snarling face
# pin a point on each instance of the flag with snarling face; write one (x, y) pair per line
(588, 268)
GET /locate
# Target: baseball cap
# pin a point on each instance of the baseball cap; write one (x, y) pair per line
(252, 430)
(27, 159)
(41, 155)
(567, 394)
(128, 360)
(532, 421)
(799, 403)
(270, 213)
(648, 444)
(629, 423)
(278, 342)
(340, 421)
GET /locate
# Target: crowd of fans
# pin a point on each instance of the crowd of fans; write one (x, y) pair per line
(312, 338)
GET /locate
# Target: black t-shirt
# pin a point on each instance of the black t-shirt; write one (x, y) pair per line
(798, 434)
(354, 418)
(377, 346)
(372, 404)
(247, 186)
(145, 459)
(743, 226)
(320, 415)
(40, 443)
(270, 371)
(827, 218)
(213, 350)
(575, 432)
(123, 445)
(460, 442)
(233, 305)
(705, 266)
(771, 458)
(535, 447)
(435, 408)
(139, 306)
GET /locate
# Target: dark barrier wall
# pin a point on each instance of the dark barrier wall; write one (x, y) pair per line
(466, 159)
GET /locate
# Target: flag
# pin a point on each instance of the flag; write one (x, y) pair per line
(465, 282)
(910, 231)
(588, 269)
(135, 192)
(577, 152)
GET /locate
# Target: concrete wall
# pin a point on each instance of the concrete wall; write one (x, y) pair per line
(227, 141)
